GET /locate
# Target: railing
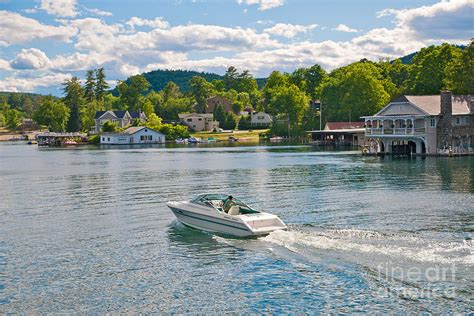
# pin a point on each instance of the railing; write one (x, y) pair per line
(395, 131)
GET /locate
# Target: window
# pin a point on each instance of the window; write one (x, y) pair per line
(199, 119)
(458, 121)
(142, 137)
(103, 139)
(150, 137)
(190, 119)
(466, 120)
(432, 122)
(108, 139)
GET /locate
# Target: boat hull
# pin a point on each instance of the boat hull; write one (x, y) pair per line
(211, 224)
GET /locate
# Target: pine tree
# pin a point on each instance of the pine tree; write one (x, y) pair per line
(101, 85)
(90, 86)
(74, 100)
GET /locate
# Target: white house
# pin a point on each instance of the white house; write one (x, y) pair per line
(120, 118)
(432, 124)
(199, 121)
(260, 119)
(133, 135)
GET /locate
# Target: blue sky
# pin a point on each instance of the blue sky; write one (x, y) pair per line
(44, 42)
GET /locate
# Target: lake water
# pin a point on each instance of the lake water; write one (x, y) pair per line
(86, 230)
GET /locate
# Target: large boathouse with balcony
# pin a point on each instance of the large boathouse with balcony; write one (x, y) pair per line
(435, 124)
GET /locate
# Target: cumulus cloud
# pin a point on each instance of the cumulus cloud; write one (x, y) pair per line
(98, 12)
(263, 4)
(29, 84)
(446, 20)
(31, 58)
(156, 23)
(345, 28)
(140, 45)
(65, 8)
(17, 29)
(4, 64)
(289, 30)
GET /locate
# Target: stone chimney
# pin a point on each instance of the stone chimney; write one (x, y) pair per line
(444, 127)
(446, 103)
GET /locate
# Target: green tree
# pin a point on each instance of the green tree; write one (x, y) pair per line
(427, 73)
(171, 91)
(219, 114)
(88, 113)
(201, 90)
(131, 94)
(74, 100)
(230, 121)
(154, 121)
(109, 127)
(52, 113)
(148, 108)
(90, 86)
(110, 102)
(28, 107)
(459, 72)
(245, 122)
(101, 85)
(230, 78)
(13, 118)
(219, 85)
(353, 91)
(290, 101)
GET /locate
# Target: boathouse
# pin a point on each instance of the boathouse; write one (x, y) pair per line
(423, 125)
(340, 134)
(133, 135)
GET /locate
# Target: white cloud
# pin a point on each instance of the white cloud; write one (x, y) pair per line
(4, 64)
(65, 8)
(263, 4)
(17, 29)
(345, 28)
(445, 20)
(156, 23)
(29, 84)
(31, 58)
(98, 12)
(289, 30)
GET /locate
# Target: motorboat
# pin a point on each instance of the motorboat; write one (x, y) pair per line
(276, 139)
(206, 212)
(194, 140)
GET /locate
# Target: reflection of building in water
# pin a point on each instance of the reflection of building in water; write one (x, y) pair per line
(435, 124)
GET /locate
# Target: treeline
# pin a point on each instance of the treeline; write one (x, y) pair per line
(346, 93)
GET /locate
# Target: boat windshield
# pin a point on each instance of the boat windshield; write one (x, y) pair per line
(207, 198)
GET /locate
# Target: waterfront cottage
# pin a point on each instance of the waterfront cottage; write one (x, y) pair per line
(199, 121)
(260, 119)
(120, 118)
(133, 135)
(434, 124)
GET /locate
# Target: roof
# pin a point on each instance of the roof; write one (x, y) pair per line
(132, 130)
(431, 104)
(205, 115)
(340, 131)
(118, 113)
(330, 126)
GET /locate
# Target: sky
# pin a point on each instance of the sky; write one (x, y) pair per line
(44, 42)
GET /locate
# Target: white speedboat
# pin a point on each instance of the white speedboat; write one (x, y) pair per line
(206, 212)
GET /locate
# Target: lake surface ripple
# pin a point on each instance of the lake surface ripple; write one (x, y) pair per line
(86, 230)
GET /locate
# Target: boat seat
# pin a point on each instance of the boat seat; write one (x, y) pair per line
(234, 210)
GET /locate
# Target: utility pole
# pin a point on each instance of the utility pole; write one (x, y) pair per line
(320, 115)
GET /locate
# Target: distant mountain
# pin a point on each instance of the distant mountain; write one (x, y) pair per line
(159, 78)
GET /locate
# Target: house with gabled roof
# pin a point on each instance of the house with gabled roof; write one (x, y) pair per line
(121, 118)
(133, 135)
(431, 125)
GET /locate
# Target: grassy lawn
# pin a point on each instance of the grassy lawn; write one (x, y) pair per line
(252, 135)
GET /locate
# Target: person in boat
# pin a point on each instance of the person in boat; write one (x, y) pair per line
(229, 202)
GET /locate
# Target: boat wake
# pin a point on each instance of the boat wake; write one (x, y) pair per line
(371, 246)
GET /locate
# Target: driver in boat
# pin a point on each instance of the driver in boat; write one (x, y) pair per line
(229, 202)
